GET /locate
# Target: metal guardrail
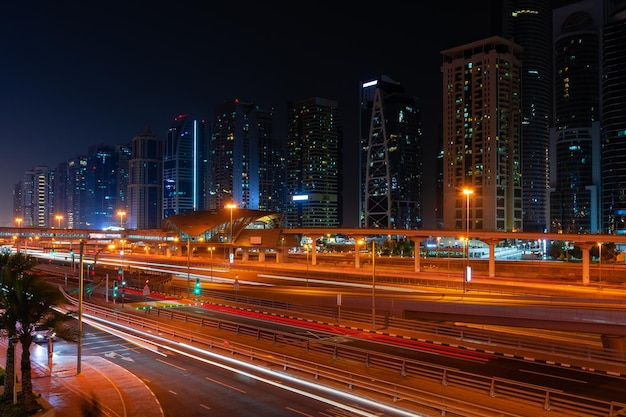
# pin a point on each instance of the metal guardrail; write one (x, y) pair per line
(483, 389)
(567, 350)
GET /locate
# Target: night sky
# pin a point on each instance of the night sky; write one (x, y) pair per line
(76, 74)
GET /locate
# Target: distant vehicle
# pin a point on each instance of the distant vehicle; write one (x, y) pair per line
(42, 334)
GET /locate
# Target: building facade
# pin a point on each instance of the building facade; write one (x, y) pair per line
(145, 184)
(391, 156)
(576, 155)
(482, 136)
(528, 23)
(106, 180)
(184, 166)
(313, 144)
(246, 158)
(613, 201)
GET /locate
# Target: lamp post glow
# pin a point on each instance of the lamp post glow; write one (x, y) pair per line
(467, 193)
(19, 221)
(188, 263)
(231, 206)
(373, 285)
(211, 249)
(600, 262)
(307, 246)
(58, 217)
(121, 213)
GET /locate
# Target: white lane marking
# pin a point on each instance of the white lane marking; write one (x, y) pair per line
(224, 385)
(554, 376)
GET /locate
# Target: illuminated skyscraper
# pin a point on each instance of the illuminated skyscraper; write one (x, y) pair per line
(391, 156)
(35, 204)
(575, 152)
(529, 23)
(313, 144)
(184, 166)
(145, 185)
(481, 133)
(244, 156)
(614, 121)
(106, 181)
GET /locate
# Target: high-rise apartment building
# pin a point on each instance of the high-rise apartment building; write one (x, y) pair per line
(575, 151)
(313, 144)
(36, 197)
(76, 193)
(482, 135)
(184, 166)
(614, 120)
(528, 23)
(246, 159)
(391, 156)
(106, 181)
(145, 185)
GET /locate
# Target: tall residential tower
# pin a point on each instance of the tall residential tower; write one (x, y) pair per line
(391, 156)
(481, 133)
(313, 144)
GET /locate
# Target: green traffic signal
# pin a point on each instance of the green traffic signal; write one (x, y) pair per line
(197, 288)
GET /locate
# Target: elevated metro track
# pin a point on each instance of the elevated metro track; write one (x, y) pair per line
(69, 237)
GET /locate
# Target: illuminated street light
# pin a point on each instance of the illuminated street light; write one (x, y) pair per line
(121, 213)
(600, 263)
(438, 244)
(58, 217)
(211, 249)
(373, 285)
(467, 193)
(307, 246)
(231, 206)
(19, 220)
(188, 261)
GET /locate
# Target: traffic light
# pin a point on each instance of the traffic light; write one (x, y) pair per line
(115, 289)
(197, 290)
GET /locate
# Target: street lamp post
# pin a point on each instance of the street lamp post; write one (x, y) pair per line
(467, 193)
(188, 263)
(121, 213)
(373, 285)
(306, 248)
(19, 221)
(600, 263)
(79, 348)
(211, 249)
(58, 217)
(231, 206)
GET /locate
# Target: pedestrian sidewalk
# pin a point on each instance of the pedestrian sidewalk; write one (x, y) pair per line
(116, 391)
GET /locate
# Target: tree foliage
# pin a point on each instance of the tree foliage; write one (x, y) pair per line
(28, 300)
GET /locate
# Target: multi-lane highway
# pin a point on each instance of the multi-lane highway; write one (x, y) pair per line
(554, 377)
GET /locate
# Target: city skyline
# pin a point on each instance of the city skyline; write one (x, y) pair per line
(74, 81)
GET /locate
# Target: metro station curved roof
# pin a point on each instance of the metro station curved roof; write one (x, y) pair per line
(214, 226)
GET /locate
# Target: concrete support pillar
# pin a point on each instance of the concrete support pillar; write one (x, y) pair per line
(492, 255)
(416, 257)
(281, 255)
(314, 250)
(261, 255)
(244, 255)
(585, 246)
(616, 344)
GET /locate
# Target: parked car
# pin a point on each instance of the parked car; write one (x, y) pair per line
(42, 334)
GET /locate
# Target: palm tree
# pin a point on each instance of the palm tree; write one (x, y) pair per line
(11, 266)
(29, 300)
